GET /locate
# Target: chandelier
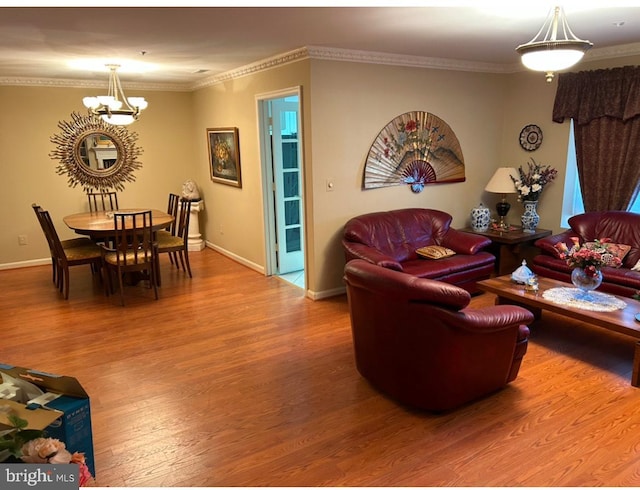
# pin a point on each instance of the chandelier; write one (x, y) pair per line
(114, 107)
(549, 53)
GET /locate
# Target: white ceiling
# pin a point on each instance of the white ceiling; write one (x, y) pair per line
(189, 45)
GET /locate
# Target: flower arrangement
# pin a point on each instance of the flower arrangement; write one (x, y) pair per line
(30, 446)
(532, 182)
(590, 256)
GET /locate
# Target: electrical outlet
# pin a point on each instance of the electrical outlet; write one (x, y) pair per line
(22, 239)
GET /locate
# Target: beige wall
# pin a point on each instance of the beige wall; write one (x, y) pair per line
(233, 219)
(345, 105)
(30, 117)
(352, 102)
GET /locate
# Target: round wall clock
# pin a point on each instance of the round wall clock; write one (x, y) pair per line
(531, 137)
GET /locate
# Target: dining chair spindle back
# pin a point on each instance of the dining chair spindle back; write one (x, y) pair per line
(176, 245)
(172, 209)
(134, 250)
(103, 201)
(67, 253)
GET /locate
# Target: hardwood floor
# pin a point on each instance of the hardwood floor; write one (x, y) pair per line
(234, 379)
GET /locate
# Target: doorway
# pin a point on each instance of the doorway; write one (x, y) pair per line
(282, 167)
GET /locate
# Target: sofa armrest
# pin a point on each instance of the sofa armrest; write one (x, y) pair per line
(496, 317)
(462, 242)
(392, 284)
(354, 250)
(548, 244)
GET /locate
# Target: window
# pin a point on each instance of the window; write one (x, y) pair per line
(572, 197)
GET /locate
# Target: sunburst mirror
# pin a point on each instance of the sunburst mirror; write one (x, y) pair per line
(414, 149)
(95, 154)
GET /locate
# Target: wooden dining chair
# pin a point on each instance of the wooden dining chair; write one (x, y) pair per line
(176, 244)
(172, 208)
(102, 201)
(70, 243)
(170, 230)
(64, 258)
(134, 250)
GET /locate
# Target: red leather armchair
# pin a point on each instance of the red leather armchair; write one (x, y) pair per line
(390, 239)
(417, 341)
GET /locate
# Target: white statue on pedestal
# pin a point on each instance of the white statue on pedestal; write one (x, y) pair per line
(190, 191)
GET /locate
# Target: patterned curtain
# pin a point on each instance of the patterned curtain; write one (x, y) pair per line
(605, 108)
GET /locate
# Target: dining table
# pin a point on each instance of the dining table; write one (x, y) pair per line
(99, 225)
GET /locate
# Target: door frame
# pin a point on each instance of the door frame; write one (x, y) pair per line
(270, 257)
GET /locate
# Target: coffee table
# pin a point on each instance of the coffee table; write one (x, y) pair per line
(621, 321)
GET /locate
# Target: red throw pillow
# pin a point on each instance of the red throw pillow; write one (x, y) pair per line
(611, 250)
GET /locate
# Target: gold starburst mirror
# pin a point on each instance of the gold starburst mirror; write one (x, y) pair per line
(95, 154)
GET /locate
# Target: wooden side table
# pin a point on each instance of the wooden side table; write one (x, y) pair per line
(511, 247)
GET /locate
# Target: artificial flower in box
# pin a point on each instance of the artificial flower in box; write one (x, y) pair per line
(31, 446)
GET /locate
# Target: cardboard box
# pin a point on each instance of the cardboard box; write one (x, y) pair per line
(64, 412)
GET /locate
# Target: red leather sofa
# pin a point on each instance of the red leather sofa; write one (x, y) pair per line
(417, 340)
(621, 227)
(390, 239)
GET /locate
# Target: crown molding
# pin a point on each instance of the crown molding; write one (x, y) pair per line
(321, 53)
(372, 57)
(97, 84)
(353, 56)
(620, 51)
(262, 65)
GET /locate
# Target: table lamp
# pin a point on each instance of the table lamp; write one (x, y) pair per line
(501, 183)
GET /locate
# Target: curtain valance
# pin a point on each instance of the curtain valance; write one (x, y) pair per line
(588, 95)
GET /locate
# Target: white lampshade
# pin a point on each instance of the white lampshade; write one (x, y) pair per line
(118, 119)
(138, 102)
(501, 182)
(105, 99)
(91, 102)
(551, 60)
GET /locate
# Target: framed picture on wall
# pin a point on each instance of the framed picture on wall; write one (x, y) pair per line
(224, 155)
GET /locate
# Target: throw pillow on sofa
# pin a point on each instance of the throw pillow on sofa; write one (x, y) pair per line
(611, 250)
(434, 252)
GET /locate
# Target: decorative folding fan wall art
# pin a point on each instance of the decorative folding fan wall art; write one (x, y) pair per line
(415, 149)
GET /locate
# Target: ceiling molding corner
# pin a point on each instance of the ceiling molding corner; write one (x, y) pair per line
(354, 56)
(262, 65)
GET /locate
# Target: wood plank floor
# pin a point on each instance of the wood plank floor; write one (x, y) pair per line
(234, 379)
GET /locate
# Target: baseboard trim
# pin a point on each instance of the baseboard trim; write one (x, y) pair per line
(26, 263)
(313, 295)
